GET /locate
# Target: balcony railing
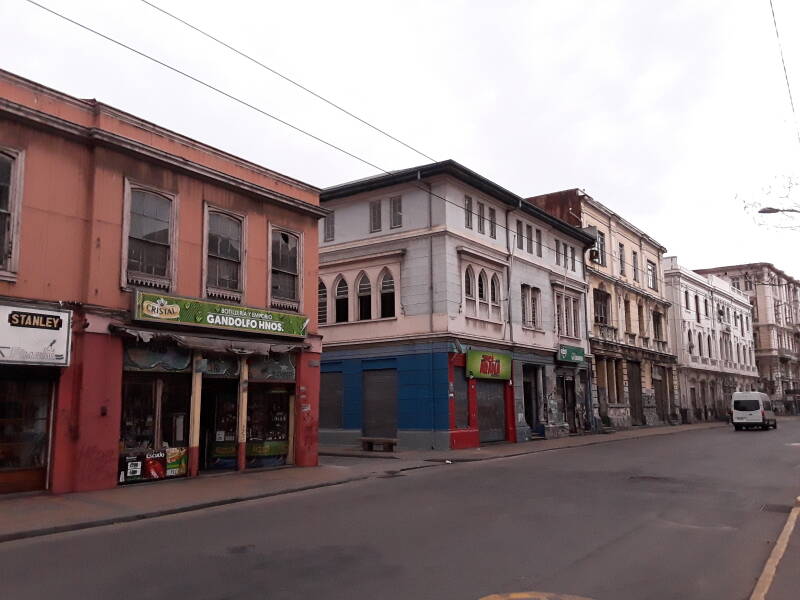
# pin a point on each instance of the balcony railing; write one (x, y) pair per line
(605, 332)
(630, 338)
(660, 345)
(704, 360)
(645, 341)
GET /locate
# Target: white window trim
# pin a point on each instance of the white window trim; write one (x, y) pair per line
(331, 218)
(300, 271)
(378, 290)
(372, 228)
(172, 275)
(222, 294)
(15, 196)
(392, 201)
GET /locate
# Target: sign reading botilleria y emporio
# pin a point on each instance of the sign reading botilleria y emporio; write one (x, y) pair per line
(160, 308)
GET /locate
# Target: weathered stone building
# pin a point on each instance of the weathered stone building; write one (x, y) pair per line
(632, 359)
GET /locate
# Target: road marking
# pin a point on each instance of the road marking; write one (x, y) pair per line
(533, 596)
(771, 566)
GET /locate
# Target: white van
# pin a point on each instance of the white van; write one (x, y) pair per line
(752, 409)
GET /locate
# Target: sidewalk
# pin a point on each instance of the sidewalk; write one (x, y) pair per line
(24, 516)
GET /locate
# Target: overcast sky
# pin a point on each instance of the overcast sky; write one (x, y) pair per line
(674, 114)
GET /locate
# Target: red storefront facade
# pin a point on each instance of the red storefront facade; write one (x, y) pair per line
(98, 209)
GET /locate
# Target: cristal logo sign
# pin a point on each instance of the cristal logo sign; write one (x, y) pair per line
(490, 365)
(160, 309)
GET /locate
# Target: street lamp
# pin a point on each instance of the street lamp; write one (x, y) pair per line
(769, 210)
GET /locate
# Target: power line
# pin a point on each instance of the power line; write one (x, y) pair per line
(161, 63)
(785, 72)
(286, 78)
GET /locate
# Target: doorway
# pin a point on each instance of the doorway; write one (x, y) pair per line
(218, 419)
(380, 403)
(530, 392)
(567, 386)
(635, 392)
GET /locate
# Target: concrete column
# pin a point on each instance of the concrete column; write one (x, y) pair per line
(194, 415)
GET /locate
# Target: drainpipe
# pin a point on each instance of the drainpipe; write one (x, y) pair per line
(510, 252)
(430, 299)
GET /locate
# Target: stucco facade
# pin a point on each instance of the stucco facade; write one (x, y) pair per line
(712, 327)
(104, 205)
(775, 300)
(447, 239)
(632, 357)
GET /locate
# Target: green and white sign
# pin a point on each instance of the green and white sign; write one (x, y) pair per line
(160, 308)
(571, 354)
(488, 365)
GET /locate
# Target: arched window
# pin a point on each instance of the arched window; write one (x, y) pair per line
(738, 353)
(469, 283)
(482, 286)
(364, 298)
(686, 298)
(710, 348)
(387, 295)
(691, 343)
(494, 292)
(322, 303)
(342, 303)
(699, 344)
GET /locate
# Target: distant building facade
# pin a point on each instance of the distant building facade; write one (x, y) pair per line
(632, 356)
(775, 299)
(712, 328)
(453, 313)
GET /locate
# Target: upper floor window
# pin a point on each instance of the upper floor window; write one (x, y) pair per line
(519, 235)
(539, 242)
(224, 256)
(601, 301)
(652, 276)
(748, 282)
(710, 347)
(330, 227)
(571, 257)
(621, 259)
(481, 218)
(699, 344)
(342, 307)
(530, 306)
(600, 247)
(322, 303)
(697, 307)
(10, 207)
(482, 286)
(567, 316)
(558, 252)
(395, 212)
(387, 295)
(705, 306)
(658, 327)
(686, 299)
(285, 271)
(375, 216)
(494, 297)
(529, 239)
(690, 340)
(469, 283)
(364, 298)
(735, 282)
(149, 237)
(635, 262)
(467, 212)
(492, 223)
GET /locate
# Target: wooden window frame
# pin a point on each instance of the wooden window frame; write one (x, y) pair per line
(171, 280)
(283, 304)
(395, 209)
(221, 293)
(9, 266)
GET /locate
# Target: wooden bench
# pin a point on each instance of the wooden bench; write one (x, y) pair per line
(386, 444)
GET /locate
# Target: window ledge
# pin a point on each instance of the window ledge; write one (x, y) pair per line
(219, 294)
(361, 322)
(482, 320)
(570, 337)
(9, 276)
(533, 329)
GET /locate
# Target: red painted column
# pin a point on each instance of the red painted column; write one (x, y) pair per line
(511, 430)
(472, 400)
(306, 410)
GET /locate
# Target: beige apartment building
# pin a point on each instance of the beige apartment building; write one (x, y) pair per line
(775, 298)
(631, 354)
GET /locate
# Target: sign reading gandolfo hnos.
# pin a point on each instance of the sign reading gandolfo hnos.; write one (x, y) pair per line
(160, 308)
(488, 365)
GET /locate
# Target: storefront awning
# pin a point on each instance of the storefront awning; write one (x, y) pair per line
(217, 345)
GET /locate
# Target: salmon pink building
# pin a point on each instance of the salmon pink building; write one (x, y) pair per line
(157, 302)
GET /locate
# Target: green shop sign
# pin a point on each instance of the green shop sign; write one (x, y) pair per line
(160, 308)
(488, 365)
(571, 354)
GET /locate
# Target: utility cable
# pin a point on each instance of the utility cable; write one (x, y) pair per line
(785, 72)
(286, 78)
(660, 280)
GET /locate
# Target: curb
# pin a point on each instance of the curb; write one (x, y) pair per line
(32, 533)
(435, 462)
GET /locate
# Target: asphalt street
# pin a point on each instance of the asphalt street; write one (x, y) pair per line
(684, 516)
